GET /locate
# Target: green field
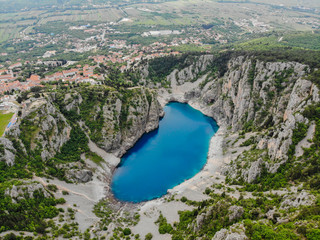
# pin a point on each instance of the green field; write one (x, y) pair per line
(4, 120)
(297, 40)
(190, 48)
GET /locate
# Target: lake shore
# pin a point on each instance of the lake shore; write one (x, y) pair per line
(193, 188)
(86, 195)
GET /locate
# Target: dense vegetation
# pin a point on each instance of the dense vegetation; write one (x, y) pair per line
(160, 67)
(254, 215)
(295, 47)
(27, 214)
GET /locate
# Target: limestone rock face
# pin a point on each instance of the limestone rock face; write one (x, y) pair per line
(224, 234)
(199, 221)
(251, 94)
(7, 151)
(18, 192)
(45, 125)
(254, 171)
(79, 175)
(72, 103)
(126, 117)
(221, 235)
(142, 115)
(190, 73)
(207, 214)
(235, 213)
(271, 214)
(302, 198)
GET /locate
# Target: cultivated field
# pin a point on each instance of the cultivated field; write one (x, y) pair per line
(4, 120)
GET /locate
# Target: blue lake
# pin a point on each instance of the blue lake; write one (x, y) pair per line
(164, 158)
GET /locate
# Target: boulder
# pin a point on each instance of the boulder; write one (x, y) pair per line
(79, 175)
(235, 213)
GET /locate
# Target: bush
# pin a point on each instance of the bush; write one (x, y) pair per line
(164, 227)
(126, 231)
(313, 234)
(10, 236)
(248, 142)
(52, 187)
(149, 236)
(184, 199)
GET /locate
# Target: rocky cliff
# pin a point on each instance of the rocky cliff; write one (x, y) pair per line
(263, 99)
(54, 127)
(269, 113)
(115, 120)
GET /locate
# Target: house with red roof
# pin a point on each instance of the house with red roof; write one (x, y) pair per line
(34, 78)
(16, 65)
(69, 73)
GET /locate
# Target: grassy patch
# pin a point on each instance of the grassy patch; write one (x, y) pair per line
(4, 121)
(190, 48)
(94, 158)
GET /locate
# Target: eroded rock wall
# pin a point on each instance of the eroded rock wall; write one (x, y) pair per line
(264, 98)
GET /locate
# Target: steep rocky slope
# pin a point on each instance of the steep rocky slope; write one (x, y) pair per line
(263, 99)
(268, 114)
(68, 134)
(113, 120)
(268, 109)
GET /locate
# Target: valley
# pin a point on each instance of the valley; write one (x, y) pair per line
(246, 137)
(87, 85)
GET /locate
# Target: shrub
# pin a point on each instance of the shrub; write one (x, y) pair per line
(164, 227)
(184, 199)
(313, 234)
(126, 231)
(52, 187)
(149, 236)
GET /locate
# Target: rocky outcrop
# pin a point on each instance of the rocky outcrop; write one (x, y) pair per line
(190, 73)
(126, 117)
(224, 235)
(235, 213)
(266, 97)
(302, 198)
(250, 171)
(207, 214)
(126, 121)
(199, 221)
(79, 175)
(7, 151)
(236, 232)
(42, 126)
(73, 102)
(18, 192)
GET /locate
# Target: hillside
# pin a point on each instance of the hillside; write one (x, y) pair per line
(268, 112)
(262, 176)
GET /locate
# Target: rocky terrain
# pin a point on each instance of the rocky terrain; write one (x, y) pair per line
(263, 99)
(260, 109)
(264, 113)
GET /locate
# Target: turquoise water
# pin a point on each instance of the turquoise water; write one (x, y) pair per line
(164, 158)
